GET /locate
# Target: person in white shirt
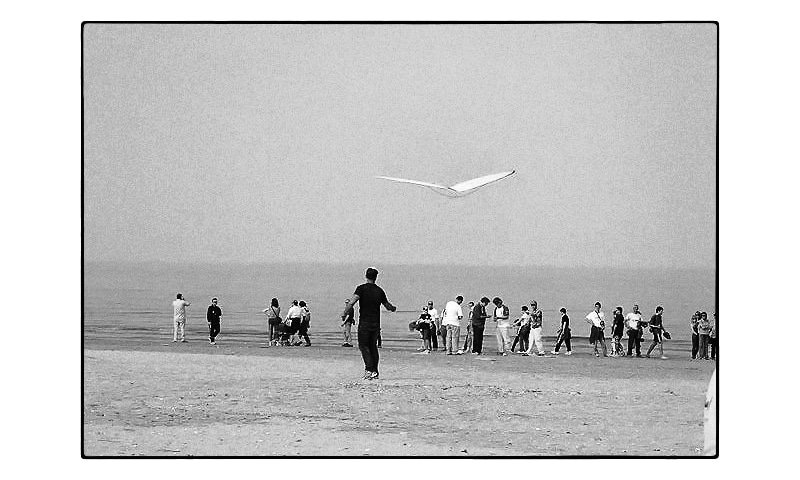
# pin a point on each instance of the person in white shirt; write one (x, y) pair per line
(633, 323)
(501, 319)
(451, 320)
(293, 318)
(596, 319)
(437, 322)
(179, 318)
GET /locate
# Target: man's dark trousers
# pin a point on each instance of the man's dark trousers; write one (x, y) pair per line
(368, 344)
(213, 330)
(477, 338)
(633, 341)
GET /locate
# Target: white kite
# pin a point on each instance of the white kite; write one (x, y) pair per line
(459, 189)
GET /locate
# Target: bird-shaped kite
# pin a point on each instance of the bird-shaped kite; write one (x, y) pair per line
(459, 189)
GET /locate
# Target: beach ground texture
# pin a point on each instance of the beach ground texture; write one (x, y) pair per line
(151, 397)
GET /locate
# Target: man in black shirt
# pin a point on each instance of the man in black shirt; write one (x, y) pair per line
(213, 317)
(371, 297)
(478, 324)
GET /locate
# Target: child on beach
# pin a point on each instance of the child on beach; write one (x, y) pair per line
(424, 327)
(523, 324)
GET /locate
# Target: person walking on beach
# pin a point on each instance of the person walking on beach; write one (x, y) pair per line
(695, 334)
(657, 328)
(435, 325)
(596, 319)
(371, 297)
(617, 329)
(503, 324)
(213, 316)
(523, 324)
(479, 317)
(536, 331)
(468, 340)
(451, 321)
(347, 324)
(564, 334)
(305, 322)
(179, 318)
(633, 322)
(273, 313)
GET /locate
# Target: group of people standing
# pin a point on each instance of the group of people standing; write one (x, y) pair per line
(289, 331)
(433, 326)
(704, 336)
(527, 329)
(281, 331)
(213, 317)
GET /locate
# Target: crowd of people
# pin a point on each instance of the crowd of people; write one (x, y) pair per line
(526, 330)
(289, 331)
(444, 328)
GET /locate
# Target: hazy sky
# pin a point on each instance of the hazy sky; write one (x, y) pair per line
(260, 143)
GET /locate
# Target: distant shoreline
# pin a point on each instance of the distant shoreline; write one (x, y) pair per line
(363, 265)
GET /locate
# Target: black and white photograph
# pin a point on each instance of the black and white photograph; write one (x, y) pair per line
(397, 240)
(400, 239)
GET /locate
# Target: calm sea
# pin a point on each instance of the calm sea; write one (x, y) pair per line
(139, 296)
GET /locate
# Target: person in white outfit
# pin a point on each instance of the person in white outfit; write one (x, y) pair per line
(451, 320)
(179, 318)
(596, 319)
(501, 319)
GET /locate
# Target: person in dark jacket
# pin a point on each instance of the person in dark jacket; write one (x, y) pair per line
(213, 316)
(657, 328)
(617, 330)
(478, 324)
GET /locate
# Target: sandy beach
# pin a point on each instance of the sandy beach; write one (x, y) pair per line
(153, 398)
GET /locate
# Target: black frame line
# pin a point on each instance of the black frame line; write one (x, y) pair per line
(398, 22)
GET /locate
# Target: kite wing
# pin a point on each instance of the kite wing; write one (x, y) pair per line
(464, 187)
(414, 182)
